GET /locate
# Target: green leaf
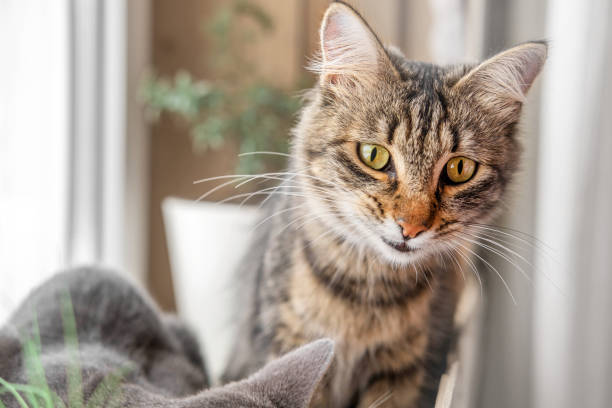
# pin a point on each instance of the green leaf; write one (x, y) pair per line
(13, 391)
(38, 392)
(210, 133)
(71, 342)
(35, 372)
(237, 105)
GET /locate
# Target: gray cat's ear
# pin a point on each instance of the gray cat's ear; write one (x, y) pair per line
(291, 380)
(502, 82)
(349, 48)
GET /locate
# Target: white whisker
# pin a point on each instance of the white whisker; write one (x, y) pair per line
(264, 152)
(499, 253)
(490, 266)
(276, 214)
(382, 399)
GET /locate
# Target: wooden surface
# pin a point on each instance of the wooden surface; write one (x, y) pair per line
(179, 43)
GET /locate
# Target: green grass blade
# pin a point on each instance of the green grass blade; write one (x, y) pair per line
(23, 388)
(11, 389)
(32, 399)
(37, 391)
(71, 341)
(109, 390)
(39, 375)
(115, 401)
(35, 373)
(36, 333)
(56, 400)
(47, 395)
(32, 349)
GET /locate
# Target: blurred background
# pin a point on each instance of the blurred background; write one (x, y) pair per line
(109, 107)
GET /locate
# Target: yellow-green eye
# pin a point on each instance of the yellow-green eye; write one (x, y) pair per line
(373, 155)
(460, 169)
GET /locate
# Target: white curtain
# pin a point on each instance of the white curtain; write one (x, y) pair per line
(34, 128)
(72, 183)
(572, 325)
(553, 348)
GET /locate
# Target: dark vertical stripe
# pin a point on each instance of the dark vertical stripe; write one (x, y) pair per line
(393, 186)
(427, 73)
(442, 337)
(392, 128)
(443, 104)
(455, 135)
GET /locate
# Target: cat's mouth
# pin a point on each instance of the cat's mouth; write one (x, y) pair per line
(399, 246)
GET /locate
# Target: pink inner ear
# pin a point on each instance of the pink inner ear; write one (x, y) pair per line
(511, 73)
(341, 39)
(349, 49)
(530, 70)
(333, 46)
(331, 35)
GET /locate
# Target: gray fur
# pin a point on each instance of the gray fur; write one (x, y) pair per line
(119, 327)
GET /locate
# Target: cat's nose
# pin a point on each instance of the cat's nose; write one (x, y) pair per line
(410, 230)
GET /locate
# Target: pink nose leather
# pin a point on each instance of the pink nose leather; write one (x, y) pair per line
(410, 230)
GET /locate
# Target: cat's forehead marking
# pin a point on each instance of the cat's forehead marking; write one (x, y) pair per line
(426, 82)
(423, 110)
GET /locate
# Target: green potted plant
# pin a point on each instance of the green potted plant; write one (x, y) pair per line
(235, 103)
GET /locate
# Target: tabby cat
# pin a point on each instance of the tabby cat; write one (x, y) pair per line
(391, 163)
(121, 334)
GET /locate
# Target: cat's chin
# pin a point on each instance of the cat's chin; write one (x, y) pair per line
(400, 246)
(398, 253)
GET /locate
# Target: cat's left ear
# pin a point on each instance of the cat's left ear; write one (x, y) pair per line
(350, 50)
(501, 82)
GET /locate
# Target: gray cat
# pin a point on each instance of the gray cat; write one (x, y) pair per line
(120, 330)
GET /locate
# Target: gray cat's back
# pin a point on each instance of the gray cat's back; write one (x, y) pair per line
(119, 330)
(117, 327)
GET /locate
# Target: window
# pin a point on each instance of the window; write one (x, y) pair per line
(33, 143)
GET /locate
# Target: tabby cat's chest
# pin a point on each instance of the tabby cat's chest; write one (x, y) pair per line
(355, 312)
(379, 316)
(377, 328)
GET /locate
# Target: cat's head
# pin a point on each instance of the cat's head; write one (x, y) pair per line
(289, 381)
(401, 156)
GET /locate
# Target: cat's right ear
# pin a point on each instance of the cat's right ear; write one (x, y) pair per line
(291, 380)
(501, 83)
(350, 50)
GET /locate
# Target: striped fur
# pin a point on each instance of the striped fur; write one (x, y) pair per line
(323, 265)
